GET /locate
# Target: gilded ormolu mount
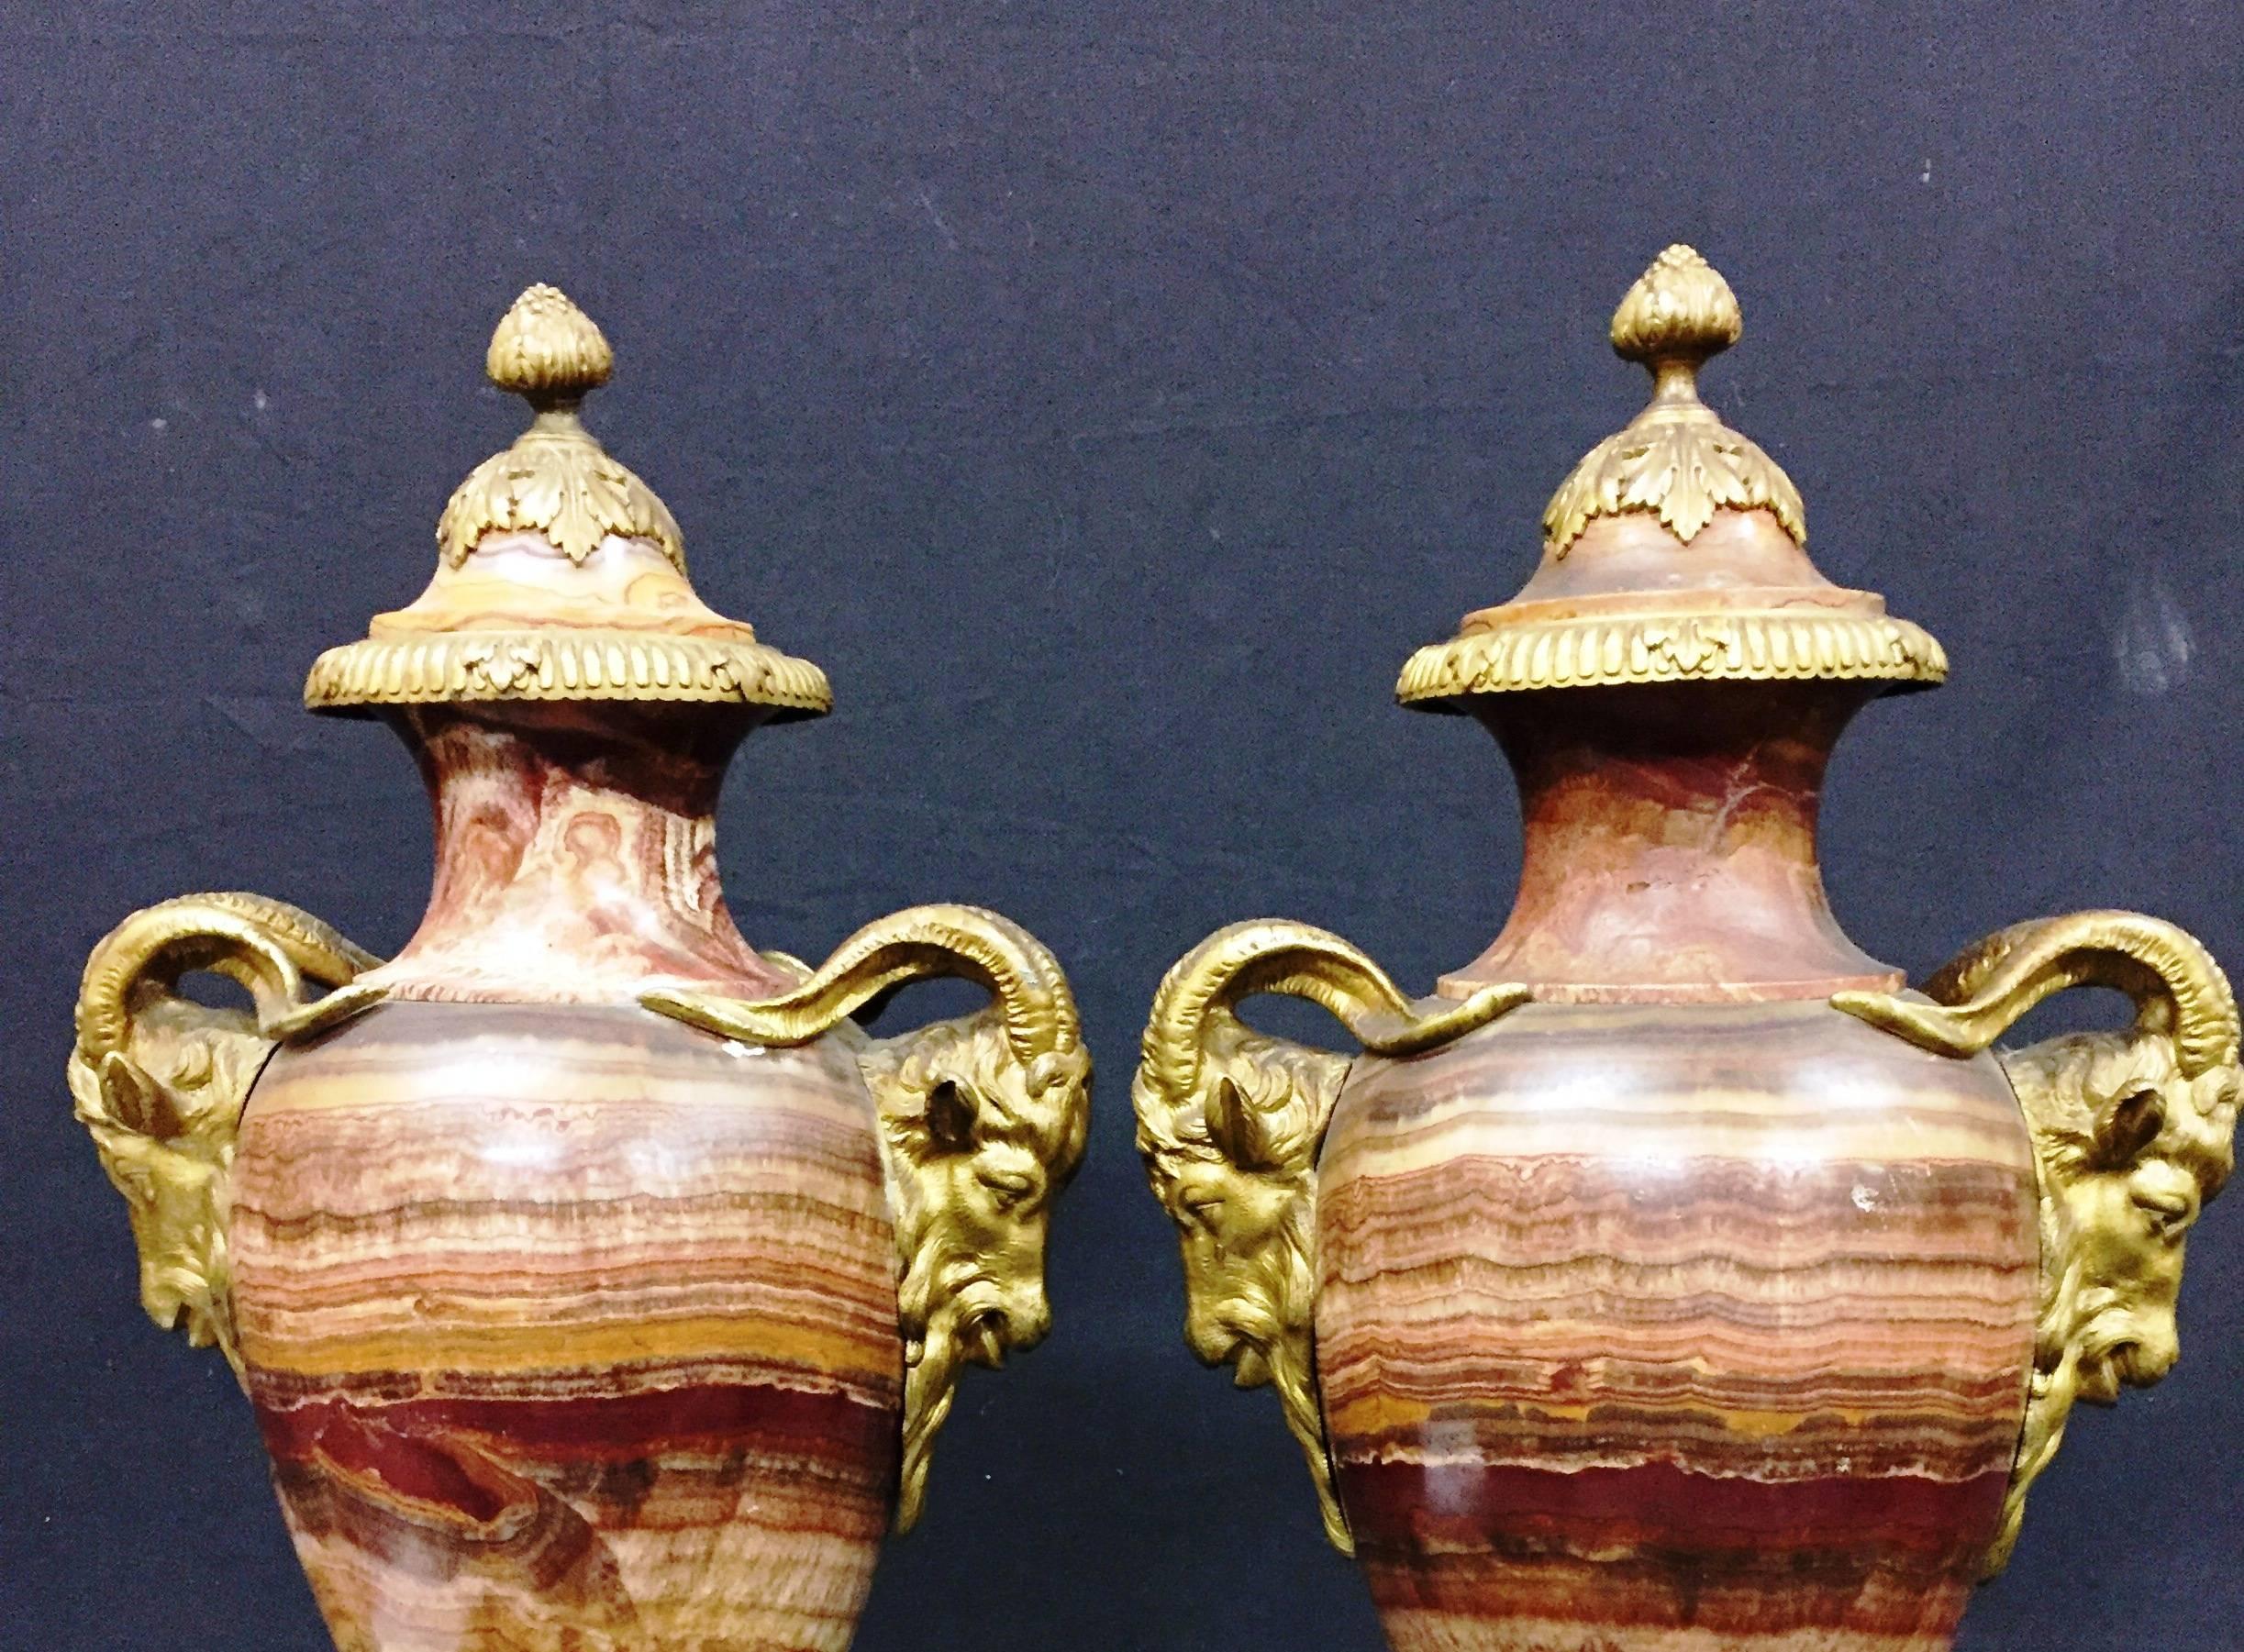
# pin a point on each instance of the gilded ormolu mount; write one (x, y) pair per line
(1676, 460)
(1229, 1121)
(1678, 465)
(2134, 1132)
(1687, 1284)
(561, 575)
(160, 1079)
(595, 1283)
(556, 479)
(983, 1120)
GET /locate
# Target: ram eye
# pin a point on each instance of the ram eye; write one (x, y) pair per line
(1010, 1186)
(2169, 1210)
(2130, 1126)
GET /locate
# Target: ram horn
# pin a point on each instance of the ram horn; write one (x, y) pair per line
(1033, 997)
(1275, 955)
(268, 946)
(2177, 986)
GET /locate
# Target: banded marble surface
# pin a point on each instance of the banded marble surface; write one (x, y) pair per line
(1668, 846)
(576, 857)
(569, 1327)
(1680, 1328)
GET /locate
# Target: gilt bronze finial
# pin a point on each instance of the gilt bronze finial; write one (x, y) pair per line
(1680, 310)
(547, 350)
(1676, 460)
(561, 575)
(1677, 549)
(556, 479)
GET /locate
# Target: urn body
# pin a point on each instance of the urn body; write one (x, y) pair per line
(567, 1324)
(1656, 1327)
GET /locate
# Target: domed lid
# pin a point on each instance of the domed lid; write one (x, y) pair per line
(560, 575)
(1677, 551)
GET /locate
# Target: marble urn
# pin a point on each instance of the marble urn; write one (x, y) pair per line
(1673, 1278)
(597, 1285)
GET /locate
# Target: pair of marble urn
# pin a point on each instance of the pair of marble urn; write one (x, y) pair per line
(1670, 1277)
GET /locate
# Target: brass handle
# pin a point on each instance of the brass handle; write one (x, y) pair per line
(160, 1081)
(983, 1121)
(1230, 1122)
(2133, 1132)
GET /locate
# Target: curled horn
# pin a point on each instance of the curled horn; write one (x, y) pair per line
(265, 945)
(2177, 987)
(1274, 955)
(1242, 961)
(1033, 996)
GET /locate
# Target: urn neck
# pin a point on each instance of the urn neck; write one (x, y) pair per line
(575, 855)
(1668, 851)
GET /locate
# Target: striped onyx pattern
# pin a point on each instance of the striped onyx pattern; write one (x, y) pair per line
(1671, 1328)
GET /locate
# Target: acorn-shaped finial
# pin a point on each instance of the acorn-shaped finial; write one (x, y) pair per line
(1680, 310)
(1646, 599)
(547, 350)
(1676, 460)
(556, 479)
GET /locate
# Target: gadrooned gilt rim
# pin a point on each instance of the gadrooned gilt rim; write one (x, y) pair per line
(1615, 650)
(488, 666)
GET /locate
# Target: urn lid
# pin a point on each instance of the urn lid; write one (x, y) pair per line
(1677, 551)
(560, 574)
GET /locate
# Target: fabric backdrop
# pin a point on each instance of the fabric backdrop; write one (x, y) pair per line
(1110, 397)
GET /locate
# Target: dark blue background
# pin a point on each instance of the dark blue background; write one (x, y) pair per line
(1110, 397)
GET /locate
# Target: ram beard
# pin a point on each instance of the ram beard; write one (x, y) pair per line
(1269, 1319)
(2114, 1355)
(930, 1383)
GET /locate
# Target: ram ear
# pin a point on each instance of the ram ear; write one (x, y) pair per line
(1235, 1129)
(137, 1100)
(2129, 1125)
(950, 1117)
